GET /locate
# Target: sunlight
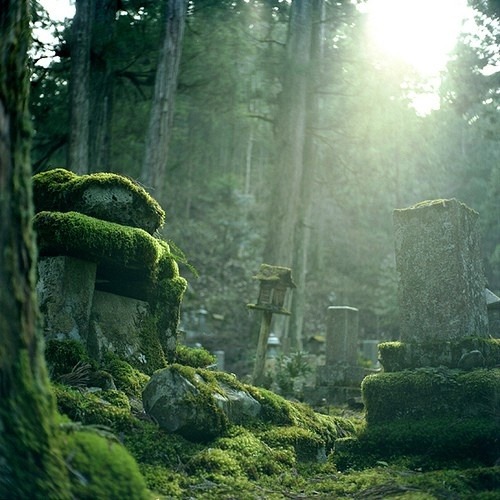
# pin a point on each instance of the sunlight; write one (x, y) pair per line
(420, 33)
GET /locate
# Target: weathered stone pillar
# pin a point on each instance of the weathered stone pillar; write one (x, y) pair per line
(342, 336)
(441, 281)
(65, 290)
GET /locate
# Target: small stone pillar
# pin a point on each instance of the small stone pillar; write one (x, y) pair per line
(342, 336)
(441, 281)
(65, 291)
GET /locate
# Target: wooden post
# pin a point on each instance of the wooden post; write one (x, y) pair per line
(260, 357)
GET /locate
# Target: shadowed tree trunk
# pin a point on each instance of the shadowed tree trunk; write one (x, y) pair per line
(290, 137)
(101, 84)
(30, 466)
(305, 216)
(78, 147)
(290, 128)
(162, 111)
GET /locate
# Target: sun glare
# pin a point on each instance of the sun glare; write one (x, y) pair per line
(418, 32)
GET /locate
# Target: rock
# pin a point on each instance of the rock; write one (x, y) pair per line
(471, 360)
(105, 196)
(196, 409)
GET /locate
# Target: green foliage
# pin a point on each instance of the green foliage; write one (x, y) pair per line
(101, 469)
(289, 369)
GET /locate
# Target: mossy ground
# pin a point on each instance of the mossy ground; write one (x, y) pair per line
(290, 453)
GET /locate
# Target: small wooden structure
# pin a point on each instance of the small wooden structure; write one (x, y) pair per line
(274, 283)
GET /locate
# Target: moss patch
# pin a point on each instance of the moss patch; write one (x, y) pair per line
(397, 356)
(60, 190)
(100, 468)
(195, 357)
(430, 393)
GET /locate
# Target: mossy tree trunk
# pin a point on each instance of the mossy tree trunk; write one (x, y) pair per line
(30, 466)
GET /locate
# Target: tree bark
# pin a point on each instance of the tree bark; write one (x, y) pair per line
(30, 466)
(305, 216)
(78, 148)
(162, 111)
(290, 138)
(101, 84)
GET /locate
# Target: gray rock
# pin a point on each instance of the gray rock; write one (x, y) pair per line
(193, 408)
(471, 360)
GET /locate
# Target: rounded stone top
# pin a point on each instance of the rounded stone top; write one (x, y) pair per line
(106, 196)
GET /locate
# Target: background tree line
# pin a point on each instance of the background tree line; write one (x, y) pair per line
(290, 142)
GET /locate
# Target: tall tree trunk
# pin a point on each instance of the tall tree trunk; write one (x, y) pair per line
(162, 111)
(290, 137)
(290, 131)
(305, 217)
(78, 148)
(30, 466)
(101, 84)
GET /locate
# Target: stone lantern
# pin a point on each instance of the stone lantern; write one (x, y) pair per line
(273, 345)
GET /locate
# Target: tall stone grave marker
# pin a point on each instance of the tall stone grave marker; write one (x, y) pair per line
(441, 281)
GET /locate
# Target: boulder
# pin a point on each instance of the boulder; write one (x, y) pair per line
(195, 404)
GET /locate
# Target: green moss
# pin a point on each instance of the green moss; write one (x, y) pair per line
(275, 409)
(127, 379)
(397, 356)
(195, 357)
(101, 408)
(163, 481)
(431, 444)
(101, 469)
(88, 238)
(255, 456)
(59, 189)
(430, 393)
(63, 355)
(152, 446)
(216, 421)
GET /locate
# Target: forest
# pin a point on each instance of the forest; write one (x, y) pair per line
(287, 139)
(266, 132)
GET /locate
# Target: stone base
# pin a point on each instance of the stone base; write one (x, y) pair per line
(397, 356)
(430, 393)
(125, 327)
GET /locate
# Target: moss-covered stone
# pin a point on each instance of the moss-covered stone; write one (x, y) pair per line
(195, 357)
(397, 356)
(431, 393)
(429, 443)
(101, 468)
(106, 243)
(106, 196)
(127, 378)
(63, 355)
(93, 408)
